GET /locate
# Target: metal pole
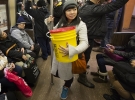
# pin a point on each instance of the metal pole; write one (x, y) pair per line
(51, 27)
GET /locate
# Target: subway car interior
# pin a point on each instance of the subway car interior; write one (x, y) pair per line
(38, 82)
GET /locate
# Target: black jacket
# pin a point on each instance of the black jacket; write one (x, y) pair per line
(40, 28)
(127, 51)
(57, 13)
(94, 17)
(9, 42)
(125, 73)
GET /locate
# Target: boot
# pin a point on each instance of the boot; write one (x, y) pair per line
(83, 80)
(102, 78)
(110, 97)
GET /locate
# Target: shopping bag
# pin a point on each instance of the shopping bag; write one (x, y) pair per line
(79, 66)
(113, 56)
(31, 72)
(20, 83)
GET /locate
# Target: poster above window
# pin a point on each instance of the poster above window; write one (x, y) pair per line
(3, 17)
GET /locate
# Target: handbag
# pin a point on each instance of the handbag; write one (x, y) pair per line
(79, 66)
(113, 56)
(20, 83)
(31, 71)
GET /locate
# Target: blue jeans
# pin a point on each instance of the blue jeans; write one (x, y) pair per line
(45, 46)
(101, 63)
(10, 85)
(107, 38)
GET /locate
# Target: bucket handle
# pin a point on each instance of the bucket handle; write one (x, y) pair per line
(48, 35)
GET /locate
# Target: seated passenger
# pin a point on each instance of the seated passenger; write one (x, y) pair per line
(122, 79)
(102, 60)
(3, 63)
(21, 35)
(12, 48)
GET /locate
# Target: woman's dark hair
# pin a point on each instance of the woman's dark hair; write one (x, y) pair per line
(64, 20)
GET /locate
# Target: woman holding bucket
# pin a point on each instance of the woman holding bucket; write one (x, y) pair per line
(64, 70)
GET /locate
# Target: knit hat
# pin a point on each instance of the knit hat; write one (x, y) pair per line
(69, 2)
(20, 20)
(41, 3)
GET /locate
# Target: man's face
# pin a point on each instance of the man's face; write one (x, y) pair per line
(21, 25)
(3, 36)
(22, 7)
(55, 4)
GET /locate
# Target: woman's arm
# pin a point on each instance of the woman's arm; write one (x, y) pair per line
(83, 40)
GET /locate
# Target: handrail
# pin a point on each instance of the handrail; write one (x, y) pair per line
(124, 33)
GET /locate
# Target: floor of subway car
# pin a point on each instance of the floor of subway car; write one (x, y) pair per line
(45, 91)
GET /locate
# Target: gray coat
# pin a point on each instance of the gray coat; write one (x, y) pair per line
(23, 37)
(65, 69)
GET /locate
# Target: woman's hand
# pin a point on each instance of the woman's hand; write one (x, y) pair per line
(64, 50)
(110, 50)
(50, 19)
(133, 63)
(109, 46)
(12, 66)
(22, 50)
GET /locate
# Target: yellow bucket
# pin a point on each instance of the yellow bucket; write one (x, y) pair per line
(62, 36)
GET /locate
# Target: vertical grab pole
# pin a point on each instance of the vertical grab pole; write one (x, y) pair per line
(51, 27)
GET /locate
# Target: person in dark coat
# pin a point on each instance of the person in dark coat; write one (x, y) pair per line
(111, 27)
(11, 47)
(93, 14)
(40, 28)
(127, 52)
(57, 11)
(122, 79)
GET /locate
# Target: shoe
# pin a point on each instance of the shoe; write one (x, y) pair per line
(94, 73)
(101, 79)
(111, 97)
(107, 97)
(98, 49)
(64, 93)
(83, 80)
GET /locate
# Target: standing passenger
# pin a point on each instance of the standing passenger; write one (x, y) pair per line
(40, 28)
(64, 70)
(93, 14)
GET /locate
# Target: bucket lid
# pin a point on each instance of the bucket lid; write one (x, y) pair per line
(58, 30)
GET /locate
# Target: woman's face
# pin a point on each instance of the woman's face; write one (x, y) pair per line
(71, 14)
(3, 36)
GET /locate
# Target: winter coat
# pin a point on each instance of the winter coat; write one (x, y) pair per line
(125, 73)
(10, 47)
(23, 37)
(127, 51)
(57, 13)
(40, 28)
(65, 69)
(94, 17)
